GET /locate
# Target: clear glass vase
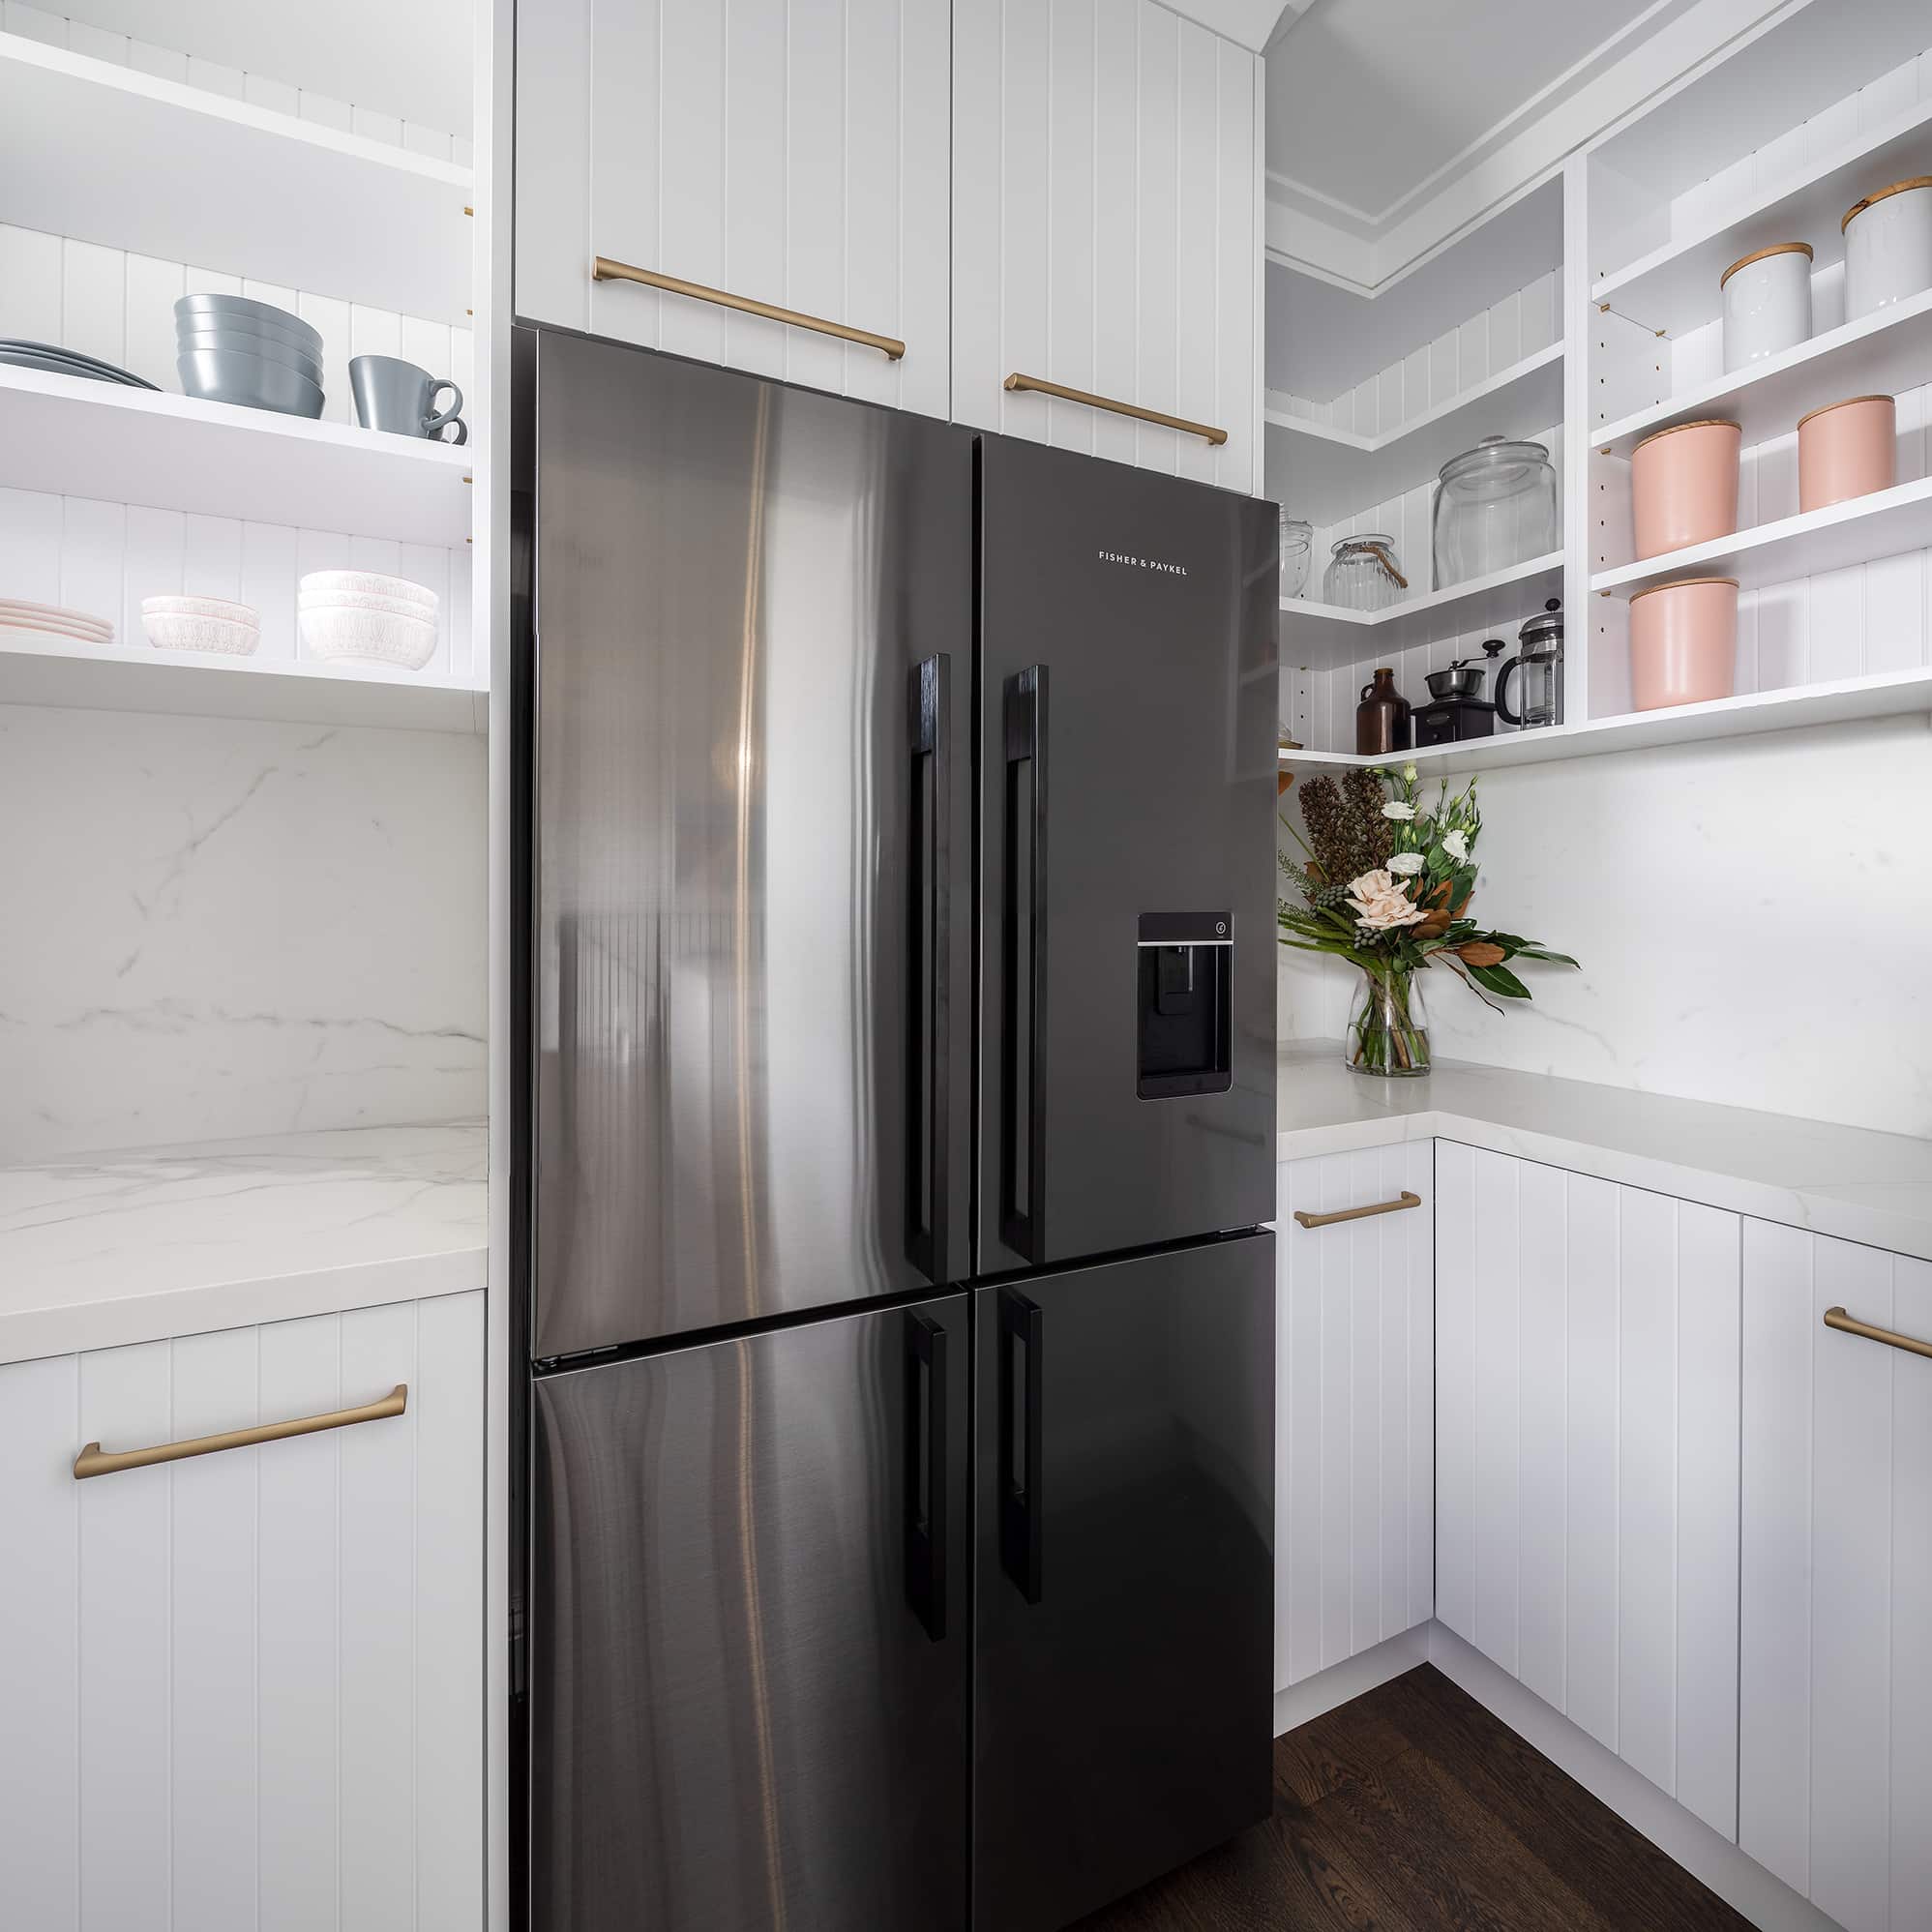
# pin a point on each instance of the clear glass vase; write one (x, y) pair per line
(1388, 1026)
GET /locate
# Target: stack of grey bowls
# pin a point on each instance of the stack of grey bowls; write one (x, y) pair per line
(230, 350)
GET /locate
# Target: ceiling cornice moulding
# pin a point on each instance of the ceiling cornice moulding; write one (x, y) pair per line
(1368, 253)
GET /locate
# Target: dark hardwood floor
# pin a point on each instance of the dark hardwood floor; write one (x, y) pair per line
(1412, 1809)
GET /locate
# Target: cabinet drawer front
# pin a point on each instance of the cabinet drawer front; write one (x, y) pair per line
(1105, 229)
(1355, 1424)
(250, 1682)
(1836, 1738)
(792, 154)
(1587, 1530)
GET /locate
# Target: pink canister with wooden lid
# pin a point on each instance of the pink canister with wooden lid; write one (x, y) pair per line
(1683, 486)
(1846, 448)
(1684, 642)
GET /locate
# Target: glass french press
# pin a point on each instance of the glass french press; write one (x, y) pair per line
(1538, 664)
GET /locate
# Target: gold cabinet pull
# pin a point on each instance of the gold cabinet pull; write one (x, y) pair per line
(91, 1461)
(1404, 1200)
(607, 270)
(1040, 386)
(1846, 1325)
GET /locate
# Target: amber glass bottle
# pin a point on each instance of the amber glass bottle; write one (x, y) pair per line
(1381, 718)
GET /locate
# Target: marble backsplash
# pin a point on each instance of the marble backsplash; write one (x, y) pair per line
(1754, 920)
(214, 928)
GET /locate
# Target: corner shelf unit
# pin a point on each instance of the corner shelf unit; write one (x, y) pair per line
(1770, 143)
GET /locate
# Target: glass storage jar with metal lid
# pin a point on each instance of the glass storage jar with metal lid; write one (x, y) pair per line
(1496, 506)
(1362, 574)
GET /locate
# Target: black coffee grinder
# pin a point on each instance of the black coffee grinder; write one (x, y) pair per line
(1458, 710)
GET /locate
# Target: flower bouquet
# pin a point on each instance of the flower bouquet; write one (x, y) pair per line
(1387, 886)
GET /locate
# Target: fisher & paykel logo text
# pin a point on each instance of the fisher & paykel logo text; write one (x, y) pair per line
(1142, 563)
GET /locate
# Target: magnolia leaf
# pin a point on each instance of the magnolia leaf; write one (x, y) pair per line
(1500, 979)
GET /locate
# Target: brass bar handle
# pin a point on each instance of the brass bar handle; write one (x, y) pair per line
(1846, 1325)
(92, 1462)
(1040, 386)
(1404, 1200)
(607, 270)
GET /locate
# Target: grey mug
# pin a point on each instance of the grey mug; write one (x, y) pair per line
(398, 396)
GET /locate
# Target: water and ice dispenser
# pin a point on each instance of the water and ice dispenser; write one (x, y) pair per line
(1184, 989)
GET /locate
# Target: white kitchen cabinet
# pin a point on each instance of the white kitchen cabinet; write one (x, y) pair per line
(1107, 176)
(791, 151)
(1355, 1504)
(246, 1689)
(1587, 1455)
(1835, 1790)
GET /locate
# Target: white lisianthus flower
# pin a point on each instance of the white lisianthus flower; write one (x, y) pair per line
(1395, 808)
(1406, 864)
(1409, 772)
(1379, 904)
(1457, 844)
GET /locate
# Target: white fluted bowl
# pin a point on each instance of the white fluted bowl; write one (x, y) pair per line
(177, 631)
(327, 586)
(346, 636)
(344, 600)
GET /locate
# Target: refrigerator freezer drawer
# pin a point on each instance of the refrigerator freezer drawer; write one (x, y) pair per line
(750, 1633)
(1124, 1483)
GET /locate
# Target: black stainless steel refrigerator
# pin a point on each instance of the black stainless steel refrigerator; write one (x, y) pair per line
(896, 1122)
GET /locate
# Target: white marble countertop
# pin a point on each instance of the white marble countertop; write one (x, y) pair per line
(1847, 1182)
(97, 1250)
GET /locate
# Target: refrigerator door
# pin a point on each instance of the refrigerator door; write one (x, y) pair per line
(1127, 971)
(750, 1633)
(1124, 1485)
(753, 961)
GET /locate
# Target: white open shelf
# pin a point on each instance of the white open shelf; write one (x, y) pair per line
(110, 155)
(36, 668)
(1881, 354)
(71, 436)
(1827, 703)
(1335, 472)
(1674, 287)
(1879, 525)
(1318, 634)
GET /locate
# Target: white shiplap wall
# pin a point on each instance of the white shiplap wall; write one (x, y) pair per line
(243, 1690)
(1106, 205)
(54, 29)
(1427, 379)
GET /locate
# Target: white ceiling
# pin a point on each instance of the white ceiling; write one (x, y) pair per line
(410, 60)
(1371, 103)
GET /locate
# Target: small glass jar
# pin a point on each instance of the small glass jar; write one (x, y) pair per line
(1495, 507)
(1364, 574)
(1298, 553)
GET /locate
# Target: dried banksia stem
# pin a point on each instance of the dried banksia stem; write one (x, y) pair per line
(1322, 812)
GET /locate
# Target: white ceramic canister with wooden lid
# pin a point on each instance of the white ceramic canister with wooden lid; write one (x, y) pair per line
(1888, 247)
(1766, 303)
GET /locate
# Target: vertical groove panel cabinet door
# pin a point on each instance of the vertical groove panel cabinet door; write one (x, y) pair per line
(794, 152)
(1835, 1786)
(1355, 1408)
(246, 1688)
(1588, 1457)
(1105, 179)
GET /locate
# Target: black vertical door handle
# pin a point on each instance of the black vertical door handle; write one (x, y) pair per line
(1021, 1375)
(926, 1472)
(928, 981)
(1022, 1165)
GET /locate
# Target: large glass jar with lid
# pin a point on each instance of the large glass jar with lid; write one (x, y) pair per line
(1495, 507)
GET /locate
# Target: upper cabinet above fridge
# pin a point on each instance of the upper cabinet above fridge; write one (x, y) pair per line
(786, 162)
(1107, 233)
